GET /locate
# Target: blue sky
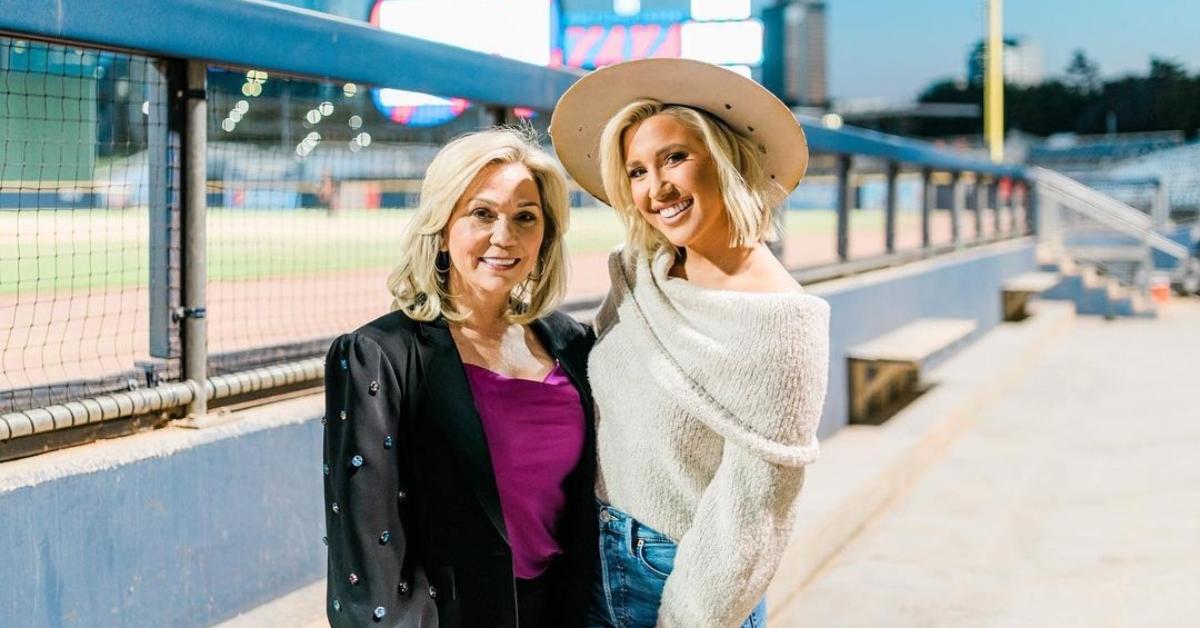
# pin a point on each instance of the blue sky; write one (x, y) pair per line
(893, 48)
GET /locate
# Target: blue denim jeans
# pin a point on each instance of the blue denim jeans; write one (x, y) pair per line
(635, 561)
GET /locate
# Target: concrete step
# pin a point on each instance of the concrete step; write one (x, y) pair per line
(1099, 295)
(1033, 282)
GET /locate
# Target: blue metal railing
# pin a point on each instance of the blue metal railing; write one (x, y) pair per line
(280, 38)
(867, 143)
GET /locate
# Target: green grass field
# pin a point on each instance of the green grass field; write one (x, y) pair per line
(89, 249)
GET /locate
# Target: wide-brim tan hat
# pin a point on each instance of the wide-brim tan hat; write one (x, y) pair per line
(747, 107)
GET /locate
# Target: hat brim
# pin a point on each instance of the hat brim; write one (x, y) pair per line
(747, 107)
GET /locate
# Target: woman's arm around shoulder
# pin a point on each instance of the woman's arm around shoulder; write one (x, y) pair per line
(622, 271)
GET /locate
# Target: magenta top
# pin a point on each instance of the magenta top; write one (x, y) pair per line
(535, 434)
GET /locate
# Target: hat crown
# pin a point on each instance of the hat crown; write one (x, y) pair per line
(742, 104)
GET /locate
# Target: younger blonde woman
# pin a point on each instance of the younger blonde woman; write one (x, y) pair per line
(711, 362)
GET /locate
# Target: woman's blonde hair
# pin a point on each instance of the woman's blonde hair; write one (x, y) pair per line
(417, 286)
(749, 195)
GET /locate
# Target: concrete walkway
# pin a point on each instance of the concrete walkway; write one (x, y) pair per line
(1073, 501)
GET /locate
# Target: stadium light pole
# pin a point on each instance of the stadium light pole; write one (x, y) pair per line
(993, 84)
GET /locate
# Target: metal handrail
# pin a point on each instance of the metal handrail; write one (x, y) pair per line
(1106, 210)
(275, 37)
(160, 398)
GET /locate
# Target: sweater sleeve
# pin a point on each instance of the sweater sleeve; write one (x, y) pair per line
(726, 560)
(728, 556)
(373, 576)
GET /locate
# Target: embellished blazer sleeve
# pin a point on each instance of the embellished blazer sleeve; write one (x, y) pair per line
(373, 577)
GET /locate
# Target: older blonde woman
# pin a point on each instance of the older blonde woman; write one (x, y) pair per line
(459, 456)
(711, 362)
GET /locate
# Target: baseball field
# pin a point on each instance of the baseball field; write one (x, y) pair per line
(74, 284)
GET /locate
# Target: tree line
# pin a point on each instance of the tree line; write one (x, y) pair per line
(1167, 98)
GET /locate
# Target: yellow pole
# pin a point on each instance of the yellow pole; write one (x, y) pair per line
(993, 84)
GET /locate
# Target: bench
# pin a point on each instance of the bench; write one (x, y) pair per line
(884, 371)
(1016, 292)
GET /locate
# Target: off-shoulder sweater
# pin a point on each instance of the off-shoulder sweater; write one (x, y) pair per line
(708, 408)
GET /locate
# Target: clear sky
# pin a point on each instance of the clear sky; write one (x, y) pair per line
(892, 49)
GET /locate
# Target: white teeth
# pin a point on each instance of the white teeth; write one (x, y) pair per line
(495, 261)
(674, 210)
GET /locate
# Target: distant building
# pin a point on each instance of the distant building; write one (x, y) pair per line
(794, 67)
(1022, 62)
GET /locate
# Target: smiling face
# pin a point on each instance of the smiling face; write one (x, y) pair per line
(494, 233)
(674, 184)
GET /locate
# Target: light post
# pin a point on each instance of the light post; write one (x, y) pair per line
(993, 84)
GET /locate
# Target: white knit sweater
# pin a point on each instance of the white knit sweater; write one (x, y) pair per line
(709, 402)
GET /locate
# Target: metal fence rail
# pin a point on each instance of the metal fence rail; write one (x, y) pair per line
(197, 193)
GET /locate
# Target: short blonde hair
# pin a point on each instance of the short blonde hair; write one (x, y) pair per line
(749, 195)
(416, 285)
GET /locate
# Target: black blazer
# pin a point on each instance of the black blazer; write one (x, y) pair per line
(415, 532)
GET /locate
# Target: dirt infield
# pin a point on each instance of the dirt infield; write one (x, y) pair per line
(62, 335)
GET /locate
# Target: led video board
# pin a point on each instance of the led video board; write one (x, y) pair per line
(528, 34)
